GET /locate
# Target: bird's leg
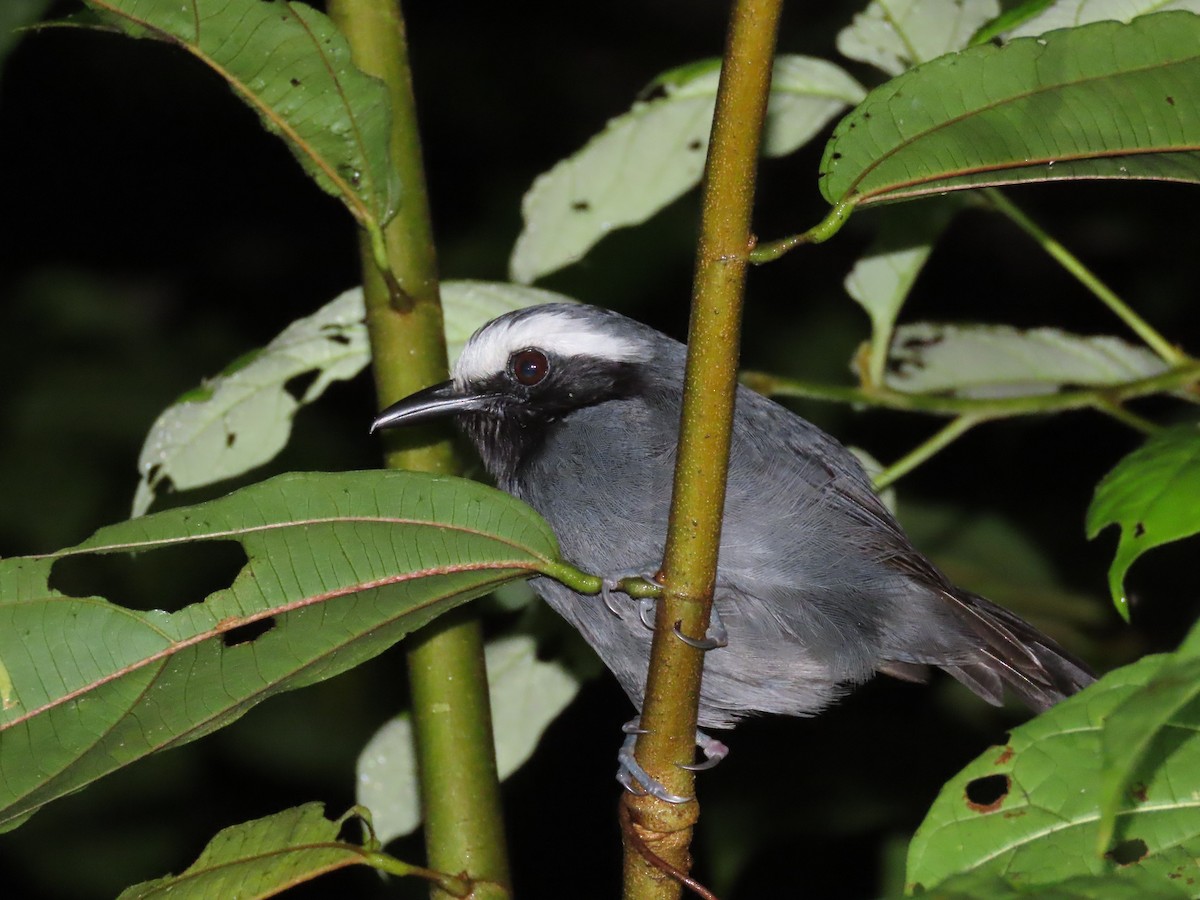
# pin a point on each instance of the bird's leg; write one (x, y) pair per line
(637, 781)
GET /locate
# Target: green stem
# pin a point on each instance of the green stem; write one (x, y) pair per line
(583, 583)
(955, 429)
(1160, 345)
(460, 793)
(455, 886)
(819, 233)
(694, 529)
(1128, 417)
(1106, 399)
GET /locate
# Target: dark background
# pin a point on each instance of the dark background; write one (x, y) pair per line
(155, 232)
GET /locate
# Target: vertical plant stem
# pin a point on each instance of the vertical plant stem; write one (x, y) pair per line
(690, 561)
(451, 713)
(1155, 341)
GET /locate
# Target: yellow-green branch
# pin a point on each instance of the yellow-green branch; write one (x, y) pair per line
(690, 563)
(460, 793)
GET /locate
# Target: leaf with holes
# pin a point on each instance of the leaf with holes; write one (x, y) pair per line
(1029, 811)
(526, 695)
(266, 856)
(1151, 495)
(1002, 361)
(290, 65)
(243, 417)
(339, 567)
(1072, 13)
(1146, 720)
(1101, 101)
(897, 35)
(651, 155)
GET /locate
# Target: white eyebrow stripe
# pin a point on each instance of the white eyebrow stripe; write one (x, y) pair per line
(560, 333)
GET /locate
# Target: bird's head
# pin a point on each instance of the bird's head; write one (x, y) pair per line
(527, 370)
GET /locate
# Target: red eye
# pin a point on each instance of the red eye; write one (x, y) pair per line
(529, 366)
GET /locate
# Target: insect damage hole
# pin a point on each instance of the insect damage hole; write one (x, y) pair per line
(164, 577)
(986, 794)
(354, 830)
(298, 385)
(245, 634)
(1127, 852)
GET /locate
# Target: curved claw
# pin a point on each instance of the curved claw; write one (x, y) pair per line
(715, 638)
(714, 751)
(608, 587)
(646, 612)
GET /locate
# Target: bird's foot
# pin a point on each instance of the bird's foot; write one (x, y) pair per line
(716, 636)
(637, 780)
(612, 585)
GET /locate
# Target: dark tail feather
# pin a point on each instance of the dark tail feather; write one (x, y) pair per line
(1013, 653)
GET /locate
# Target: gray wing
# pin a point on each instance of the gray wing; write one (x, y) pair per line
(831, 567)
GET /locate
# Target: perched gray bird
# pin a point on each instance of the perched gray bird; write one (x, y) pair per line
(575, 410)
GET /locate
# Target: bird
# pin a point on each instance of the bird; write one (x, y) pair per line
(575, 410)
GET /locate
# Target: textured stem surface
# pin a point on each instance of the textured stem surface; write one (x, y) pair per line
(460, 792)
(690, 562)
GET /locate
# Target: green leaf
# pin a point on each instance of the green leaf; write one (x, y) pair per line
(339, 567)
(1102, 101)
(1135, 885)
(1028, 812)
(1072, 13)
(882, 278)
(526, 696)
(1142, 728)
(989, 361)
(654, 153)
(292, 67)
(1151, 495)
(265, 857)
(243, 417)
(898, 34)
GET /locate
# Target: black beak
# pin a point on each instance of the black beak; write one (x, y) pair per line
(424, 406)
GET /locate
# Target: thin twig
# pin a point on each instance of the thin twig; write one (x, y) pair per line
(1177, 380)
(955, 429)
(1170, 354)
